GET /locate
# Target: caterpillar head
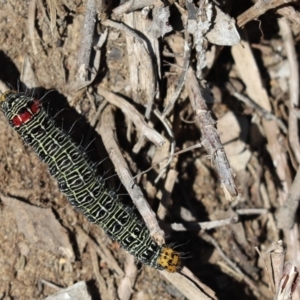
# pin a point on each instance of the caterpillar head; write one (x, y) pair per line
(169, 259)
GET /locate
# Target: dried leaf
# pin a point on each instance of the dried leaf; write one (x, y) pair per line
(224, 31)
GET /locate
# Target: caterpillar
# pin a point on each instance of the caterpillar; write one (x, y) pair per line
(77, 179)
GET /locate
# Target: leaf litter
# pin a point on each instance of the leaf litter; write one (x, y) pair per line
(197, 105)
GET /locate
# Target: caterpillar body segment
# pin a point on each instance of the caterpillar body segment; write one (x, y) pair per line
(77, 179)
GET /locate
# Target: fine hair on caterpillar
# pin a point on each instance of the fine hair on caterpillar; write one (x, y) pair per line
(85, 189)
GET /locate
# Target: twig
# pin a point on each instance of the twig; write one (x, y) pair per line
(210, 137)
(189, 285)
(290, 13)
(142, 65)
(105, 129)
(148, 61)
(87, 34)
(199, 96)
(52, 13)
(102, 252)
(128, 31)
(288, 283)
(204, 225)
(181, 77)
(234, 267)
(251, 211)
(167, 191)
(125, 287)
(31, 22)
(168, 128)
(260, 110)
(3, 87)
(132, 5)
(138, 120)
(288, 41)
(51, 285)
(277, 258)
(168, 157)
(94, 67)
(286, 214)
(95, 118)
(245, 60)
(258, 9)
(99, 278)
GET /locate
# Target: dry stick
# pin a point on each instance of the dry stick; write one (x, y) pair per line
(293, 250)
(259, 8)
(210, 138)
(99, 278)
(142, 67)
(127, 283)
(103, 252)
(133, 5)
(270, 283)
(204, 225)
(234, 267)
(31, 22)
(251, 211)
(168, 157)
(3, 87)
(77, 85)
(288, 41)
(260, 110)
(286, 214)
(101, 6)
(148, 60)
(277, 260)
(106, 130)
(245, 60)
(52, 13)
(167, 126)
(290, 13)
(51, 285)
(165, 199)
(288, 283)
(189, 285)
(129, 111)
(283, 277)
(96, 116)
(28, 75)
(270, 215)
(180, 79)
(87, 35)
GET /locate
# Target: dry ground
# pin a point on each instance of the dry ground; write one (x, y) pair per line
(46, 245)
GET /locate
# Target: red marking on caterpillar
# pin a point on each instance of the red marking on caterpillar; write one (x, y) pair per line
(27, 114)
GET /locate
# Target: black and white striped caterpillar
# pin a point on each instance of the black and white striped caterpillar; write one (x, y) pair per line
(80, 183)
